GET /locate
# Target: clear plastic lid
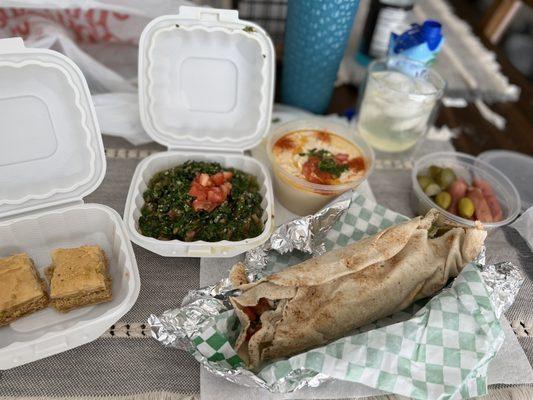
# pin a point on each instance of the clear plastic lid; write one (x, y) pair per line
(206, 80)
(517, 167)
(51, 149)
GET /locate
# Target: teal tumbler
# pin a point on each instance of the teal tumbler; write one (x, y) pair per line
(316, 33)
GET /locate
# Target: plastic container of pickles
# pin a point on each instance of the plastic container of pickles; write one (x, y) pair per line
(469, 168)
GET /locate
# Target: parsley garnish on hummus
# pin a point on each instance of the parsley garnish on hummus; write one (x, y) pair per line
(319, 157)
(327, 162)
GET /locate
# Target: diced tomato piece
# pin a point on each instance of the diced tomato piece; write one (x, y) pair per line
(313, 174)
(211, 207)
(323, 177)
(172, 214)
(341, 158)
(202, 196)
(198, 205)
(204, 180)
(262, 306)
(218, 178)
(216, 189)
(197, 191)
(189, 236)
(210, 191)
(228, 175)
(250, 312)
(314, 179)
(226, 189)
(206, 205)
(212, 197)
(215, 195)
(357, 163)
(309, 167)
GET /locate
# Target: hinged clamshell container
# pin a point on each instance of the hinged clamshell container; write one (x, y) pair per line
(51, 156)
(206, 83)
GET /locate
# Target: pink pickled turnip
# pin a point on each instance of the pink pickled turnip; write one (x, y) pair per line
(457, 190)
(482, 212)
(490, 198)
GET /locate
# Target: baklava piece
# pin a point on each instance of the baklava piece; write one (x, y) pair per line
(22, 291)
(78, 277)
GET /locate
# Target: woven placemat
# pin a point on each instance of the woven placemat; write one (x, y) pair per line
(126, 363)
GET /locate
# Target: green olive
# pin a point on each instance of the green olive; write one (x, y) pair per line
(466, 208)
(443, 200)
(446, 178)
(424, 181)
(434, 171)
(432, 189)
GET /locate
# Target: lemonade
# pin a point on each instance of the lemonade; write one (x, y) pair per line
(396, 109)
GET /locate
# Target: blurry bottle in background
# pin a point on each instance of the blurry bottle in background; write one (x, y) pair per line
(384, 17)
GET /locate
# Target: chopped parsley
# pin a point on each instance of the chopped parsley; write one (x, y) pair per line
(327, 162)
(168, 214)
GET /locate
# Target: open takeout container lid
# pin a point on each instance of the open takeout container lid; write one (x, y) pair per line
(206, 80)
(206, 84)
(51, 156)
(51, 150)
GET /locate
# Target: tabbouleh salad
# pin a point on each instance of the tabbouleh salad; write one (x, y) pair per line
(202, 201)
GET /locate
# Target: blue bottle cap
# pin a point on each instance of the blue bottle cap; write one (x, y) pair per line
(431, 33)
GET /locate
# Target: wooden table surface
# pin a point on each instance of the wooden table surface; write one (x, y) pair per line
(476, 134)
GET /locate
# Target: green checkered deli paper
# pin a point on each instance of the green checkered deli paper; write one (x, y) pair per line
(437, 349)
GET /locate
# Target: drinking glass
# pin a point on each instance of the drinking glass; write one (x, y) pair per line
(399, 103)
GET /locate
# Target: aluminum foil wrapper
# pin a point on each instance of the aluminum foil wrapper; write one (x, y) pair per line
(503, 281)
(296, 380)
(177, 327)
(306, 234)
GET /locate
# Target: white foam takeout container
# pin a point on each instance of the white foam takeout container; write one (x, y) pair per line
(206, 83)
(51, 156)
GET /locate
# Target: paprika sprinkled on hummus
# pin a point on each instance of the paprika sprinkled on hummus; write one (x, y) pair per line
(319, 157)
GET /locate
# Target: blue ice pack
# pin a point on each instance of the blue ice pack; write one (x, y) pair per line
(421, 42)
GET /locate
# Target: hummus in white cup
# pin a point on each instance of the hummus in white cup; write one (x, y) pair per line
(314, 161)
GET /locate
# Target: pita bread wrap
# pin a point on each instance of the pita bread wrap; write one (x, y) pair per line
(327, 297)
